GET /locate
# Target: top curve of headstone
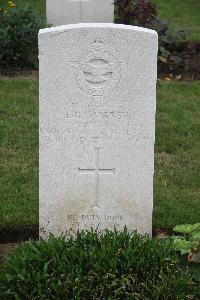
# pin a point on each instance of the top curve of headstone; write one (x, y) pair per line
(62, 28)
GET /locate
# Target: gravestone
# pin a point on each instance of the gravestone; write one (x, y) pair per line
(61, 12)
(97, 127)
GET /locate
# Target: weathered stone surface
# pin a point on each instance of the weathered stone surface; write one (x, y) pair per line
(61, 12)
(97, 127)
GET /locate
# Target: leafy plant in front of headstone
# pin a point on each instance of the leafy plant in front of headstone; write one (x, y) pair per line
(143, 13)
(19, 28)
(188, 243)
(111, 265)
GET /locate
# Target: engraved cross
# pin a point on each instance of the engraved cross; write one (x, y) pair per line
(97, 171)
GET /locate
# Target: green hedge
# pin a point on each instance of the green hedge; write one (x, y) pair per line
(19, 29)
(107, 266)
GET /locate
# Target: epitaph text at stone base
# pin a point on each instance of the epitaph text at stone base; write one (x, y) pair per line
(97, 128)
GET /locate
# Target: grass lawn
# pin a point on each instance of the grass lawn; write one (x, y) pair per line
(19, 151)
(177, 164)
(177, 176)
(181, 14)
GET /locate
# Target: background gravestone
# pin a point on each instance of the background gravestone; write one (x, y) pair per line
(61, 12)
(97, 127)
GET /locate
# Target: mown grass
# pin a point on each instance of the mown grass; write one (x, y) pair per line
(181, 14)
(177, 176)
(19, 151)
(177, 164)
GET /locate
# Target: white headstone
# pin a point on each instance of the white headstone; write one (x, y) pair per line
(61, 12)
(97, 127)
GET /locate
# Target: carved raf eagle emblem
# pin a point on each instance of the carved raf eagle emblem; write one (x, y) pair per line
(97, 71)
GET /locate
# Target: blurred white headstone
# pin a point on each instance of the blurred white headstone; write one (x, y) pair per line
(60, 12)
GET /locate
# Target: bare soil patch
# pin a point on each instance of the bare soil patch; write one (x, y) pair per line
(14, 234)
(6, 248)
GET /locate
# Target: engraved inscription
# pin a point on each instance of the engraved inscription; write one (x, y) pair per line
(78, 222)
(75, 217)
(96, 171)
(97, 115)
(97, 72)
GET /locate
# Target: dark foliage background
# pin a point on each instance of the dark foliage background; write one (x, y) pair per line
(19, 28)
(143, 13)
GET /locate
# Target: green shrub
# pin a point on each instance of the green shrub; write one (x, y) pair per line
(19, 28)
(143, 13)
(188, 242)
(107, 266)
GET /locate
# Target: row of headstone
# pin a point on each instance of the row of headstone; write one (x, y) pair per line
(97, 127)
(61, 12)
